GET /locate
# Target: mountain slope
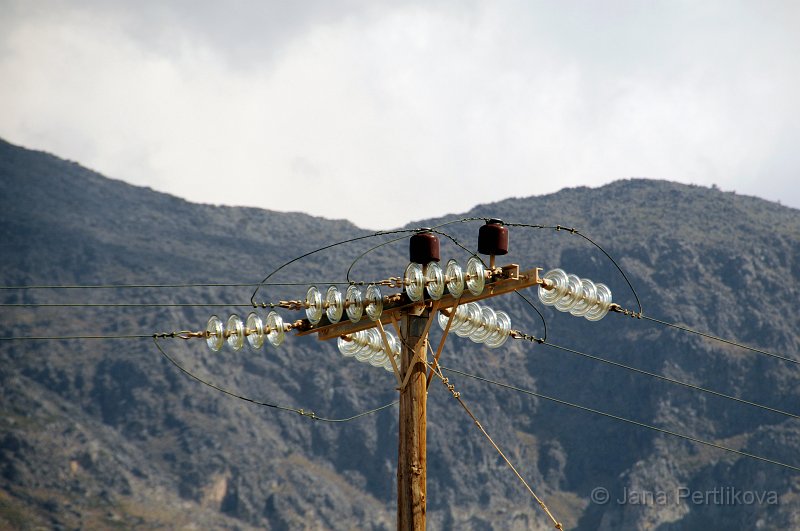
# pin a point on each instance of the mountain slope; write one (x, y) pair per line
(102, 433)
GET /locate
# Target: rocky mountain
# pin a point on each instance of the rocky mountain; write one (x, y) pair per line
(106, 433)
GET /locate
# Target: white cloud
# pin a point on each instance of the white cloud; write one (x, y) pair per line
(388, 114)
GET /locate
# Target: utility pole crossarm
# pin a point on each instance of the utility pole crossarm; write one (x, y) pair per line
(504, 280)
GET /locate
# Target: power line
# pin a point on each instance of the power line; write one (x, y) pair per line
(358, 238)
(667, 379)
(622, 311)
(137, 286)
(457, 243)
(623, 419)
(541, 315)
(349, 240)
(571, 230)
(120, 305)
(51, 338)
(721, 340)
(365, 253)
(302, 412)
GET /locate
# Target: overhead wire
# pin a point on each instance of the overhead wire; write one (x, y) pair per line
(475, 254)
(138, 286)
(53, 338)
(365, 253)
(421, 229)
(659, 376)
(302, 412)
(623, 419)
(120, 305)
(640, 314)
(458, 244)
(377, 234)
(712, 337)
(572, 230)
(349, 240)
(305, 255)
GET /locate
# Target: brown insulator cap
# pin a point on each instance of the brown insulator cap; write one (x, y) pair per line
(423, 247)
(493, 238)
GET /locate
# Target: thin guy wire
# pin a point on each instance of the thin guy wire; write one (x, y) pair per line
(559, 228)
(623, 419)
(309, 414)
(667, 379)
(457, 396)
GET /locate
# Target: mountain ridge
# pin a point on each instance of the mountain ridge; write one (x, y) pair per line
(153, 449)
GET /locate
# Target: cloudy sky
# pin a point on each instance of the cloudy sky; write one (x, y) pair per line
(388, 112)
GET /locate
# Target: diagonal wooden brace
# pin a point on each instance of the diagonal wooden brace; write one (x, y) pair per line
(395, 368)
(441, 343)
(420, 351)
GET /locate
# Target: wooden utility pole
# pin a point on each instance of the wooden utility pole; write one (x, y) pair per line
(415, 316)
(411, 458)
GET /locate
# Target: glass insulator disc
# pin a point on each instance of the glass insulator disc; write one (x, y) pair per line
(458, 320)
(348, 345)
(587, 299)
(455, 278)
(372, 344)
(600, 309)
(573, 294)
(358, 343)
(476, 275)
(335, 304)
(414, 281)
(501, 332)
(254, 331)
(434, 281)
(234, 329)
(487, 325)
(472, 319)
(215, 333)
(314, 306)
(560, 282)
(380, 358)
(354, 303)
(374, 302)
(395, 353)
(276, 332)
